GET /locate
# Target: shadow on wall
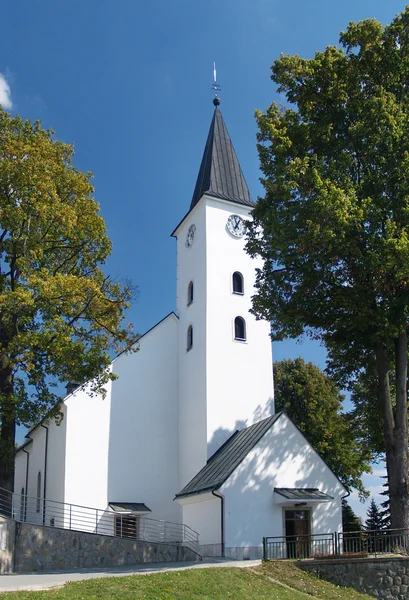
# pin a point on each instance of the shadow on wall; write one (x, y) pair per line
(282, 458)
(221, 435)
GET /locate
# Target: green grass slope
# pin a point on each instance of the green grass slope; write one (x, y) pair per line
(281, 581)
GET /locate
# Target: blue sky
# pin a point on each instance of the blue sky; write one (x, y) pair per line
(129, 84)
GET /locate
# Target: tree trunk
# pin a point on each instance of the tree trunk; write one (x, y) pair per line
(396, 431)
(7, 429)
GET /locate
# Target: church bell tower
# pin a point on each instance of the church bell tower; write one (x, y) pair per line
(224, 355)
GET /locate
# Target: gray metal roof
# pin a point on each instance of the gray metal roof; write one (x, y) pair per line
(129, 507)
(302, 494)
(220, 174)
(227, 458)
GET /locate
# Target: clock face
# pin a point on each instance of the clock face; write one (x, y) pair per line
(190, 235)
(235, 226)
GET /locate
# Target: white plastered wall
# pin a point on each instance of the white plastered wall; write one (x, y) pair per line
(51, 472)
(282, 458)
(239, 375)
(202, 513)
(87, 435)
(223, 384)
(191, 266)
(143, 447)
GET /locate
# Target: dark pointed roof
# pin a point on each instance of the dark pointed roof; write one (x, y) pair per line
(227, 458)
(220, 173)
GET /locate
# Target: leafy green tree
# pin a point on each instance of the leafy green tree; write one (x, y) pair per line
(374, 519)
(60, 314)
(313, 401)
(333, 226)
(350, 522)
(367, 414)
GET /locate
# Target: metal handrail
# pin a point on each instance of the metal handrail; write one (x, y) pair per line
(352, 543)
(374, 542)
(104, 521)
(298, 546)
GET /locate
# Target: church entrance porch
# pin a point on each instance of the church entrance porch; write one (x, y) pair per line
(297, 533)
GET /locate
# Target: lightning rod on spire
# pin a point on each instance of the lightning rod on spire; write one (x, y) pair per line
(215, 86)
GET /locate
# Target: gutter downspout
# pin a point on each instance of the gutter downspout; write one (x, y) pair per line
(221, 518)
(26, 490)
(45, 468)
(342, 524)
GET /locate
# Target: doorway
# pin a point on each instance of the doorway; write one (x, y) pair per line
(297, 533)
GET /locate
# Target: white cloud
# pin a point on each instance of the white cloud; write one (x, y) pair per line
(5, 93)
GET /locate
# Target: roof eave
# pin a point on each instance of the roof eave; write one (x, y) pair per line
(207, 490)
(209, 195)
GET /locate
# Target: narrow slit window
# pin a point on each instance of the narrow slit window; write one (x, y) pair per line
(240, 329)
(38, 492)
(190, 293)
(189, 343)
(238, 283)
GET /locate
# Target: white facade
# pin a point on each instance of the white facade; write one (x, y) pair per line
(252, 510)
(143, 450)
(203, 513)
(224, 384)
(190, 385)
(282, 459)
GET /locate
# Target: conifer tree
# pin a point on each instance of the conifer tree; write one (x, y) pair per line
(374, 520)
(385, 506)
(350, 522)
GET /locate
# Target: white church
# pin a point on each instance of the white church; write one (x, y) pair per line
(188, 432)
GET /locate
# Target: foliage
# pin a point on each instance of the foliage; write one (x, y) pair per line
(367, 415)
(313, 401)
(278, 581)
(374, 520)
(333, 226)
(61, 315)
(350, 522)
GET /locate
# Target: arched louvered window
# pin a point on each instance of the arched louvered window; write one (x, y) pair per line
(189, 341)
(240, 329)
(38, 491)
(238, 283)
(190, 293)
(22, 504)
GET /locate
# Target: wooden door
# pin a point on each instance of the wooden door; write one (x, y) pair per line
(297, 533)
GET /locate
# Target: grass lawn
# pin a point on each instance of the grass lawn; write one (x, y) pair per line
(203, 584)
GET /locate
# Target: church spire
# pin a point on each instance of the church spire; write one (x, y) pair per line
(220, 174)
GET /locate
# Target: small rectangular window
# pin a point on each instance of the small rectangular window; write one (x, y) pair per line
(127, 526)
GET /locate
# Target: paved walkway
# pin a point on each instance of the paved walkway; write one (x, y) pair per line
(43, 581)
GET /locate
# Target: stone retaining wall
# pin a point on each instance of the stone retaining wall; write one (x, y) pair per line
(38, 548)
(386, 578)
(7, 538)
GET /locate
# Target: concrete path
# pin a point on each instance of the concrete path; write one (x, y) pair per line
(44, 581)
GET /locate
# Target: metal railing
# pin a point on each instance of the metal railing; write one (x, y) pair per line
(375, 542)
(298, 546)
(37, 511)
(353, 544)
